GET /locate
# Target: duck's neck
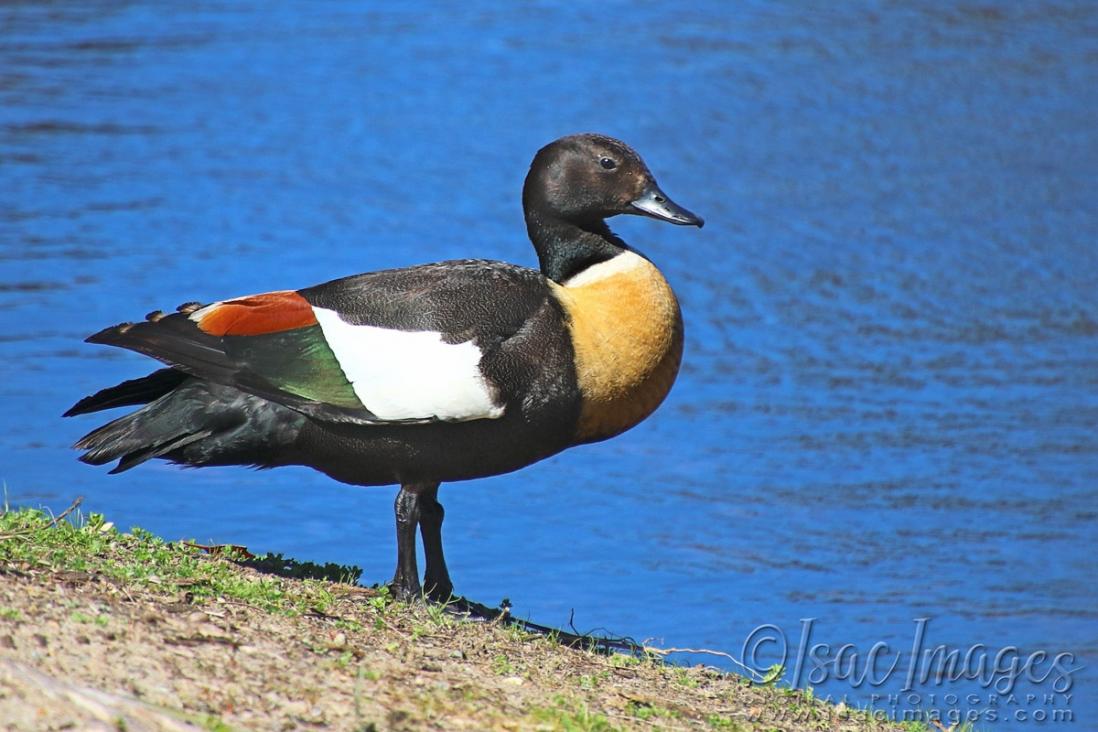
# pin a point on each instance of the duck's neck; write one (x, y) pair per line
(565, 247)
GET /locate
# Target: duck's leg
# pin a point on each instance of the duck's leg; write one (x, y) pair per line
(405, 585)
(436, 580)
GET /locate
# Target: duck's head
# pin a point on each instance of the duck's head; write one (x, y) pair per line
(584, 179)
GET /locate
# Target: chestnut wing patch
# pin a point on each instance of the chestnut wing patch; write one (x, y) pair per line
(270, 312)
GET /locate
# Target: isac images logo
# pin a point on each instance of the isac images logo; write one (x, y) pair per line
(923, 683)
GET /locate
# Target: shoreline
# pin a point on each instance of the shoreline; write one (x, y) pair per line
(101, 629)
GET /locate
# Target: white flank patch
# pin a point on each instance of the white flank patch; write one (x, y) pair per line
(399, 374)
(612, 267)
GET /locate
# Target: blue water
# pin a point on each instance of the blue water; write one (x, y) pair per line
(889, 400)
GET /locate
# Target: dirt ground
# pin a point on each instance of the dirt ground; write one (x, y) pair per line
(86, 649)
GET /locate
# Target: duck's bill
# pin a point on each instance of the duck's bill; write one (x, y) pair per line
(655, 203)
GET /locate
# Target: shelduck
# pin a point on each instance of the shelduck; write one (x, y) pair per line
(441, 372)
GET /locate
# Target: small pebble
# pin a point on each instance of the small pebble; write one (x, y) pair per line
(295, 708)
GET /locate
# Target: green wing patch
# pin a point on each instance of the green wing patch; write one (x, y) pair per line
(298, 362)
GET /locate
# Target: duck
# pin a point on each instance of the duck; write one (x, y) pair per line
(422, 375)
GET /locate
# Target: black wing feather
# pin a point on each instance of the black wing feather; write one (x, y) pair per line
(134, 391)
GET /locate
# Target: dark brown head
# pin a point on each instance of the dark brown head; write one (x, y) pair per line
(588, 178)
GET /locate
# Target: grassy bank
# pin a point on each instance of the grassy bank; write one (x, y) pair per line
(126, 631)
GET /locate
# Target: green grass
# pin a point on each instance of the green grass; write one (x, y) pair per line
(683, 678)
(502, 665)
(644, 711)
(724, 724)
(589, 682)
(571, 716)
(622, 660)
(214, 724)
(31, 539)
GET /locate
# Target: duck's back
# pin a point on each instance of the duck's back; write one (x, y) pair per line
(463, 298)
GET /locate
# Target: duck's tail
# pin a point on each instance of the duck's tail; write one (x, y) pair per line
(187, 420)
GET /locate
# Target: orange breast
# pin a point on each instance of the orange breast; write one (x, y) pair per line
(628, 335)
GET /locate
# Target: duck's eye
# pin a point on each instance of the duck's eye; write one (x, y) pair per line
(608, 163)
